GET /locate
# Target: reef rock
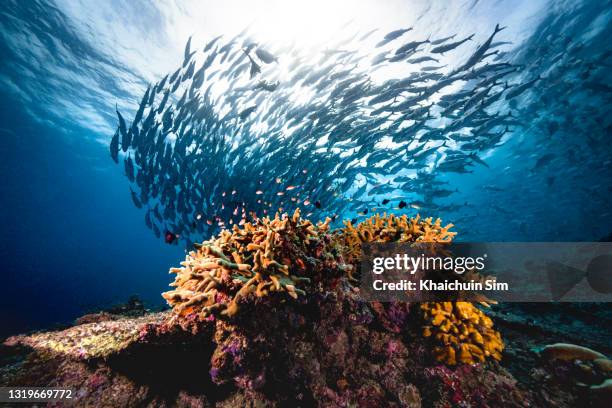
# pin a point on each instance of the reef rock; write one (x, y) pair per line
(568, 352)
(100, 339)
(267, 315)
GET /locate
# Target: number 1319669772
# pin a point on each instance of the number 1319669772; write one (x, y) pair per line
(34, 394)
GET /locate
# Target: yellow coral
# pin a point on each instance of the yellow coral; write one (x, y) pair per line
(392, 228)
(260, 258)
(461, 332)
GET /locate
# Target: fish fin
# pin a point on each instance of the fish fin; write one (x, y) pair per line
(562, 278)
(498, 28)
(188, 48)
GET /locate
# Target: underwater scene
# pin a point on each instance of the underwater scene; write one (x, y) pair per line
(192, 192)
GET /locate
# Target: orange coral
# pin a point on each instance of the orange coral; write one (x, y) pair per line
(392, 228)
(461, 332)
(262, 257)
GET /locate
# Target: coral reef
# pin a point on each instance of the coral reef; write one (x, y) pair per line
(266, 315)
(392, 228)
(331, 352)
(277, 255)
(461, 333)
(261, 258)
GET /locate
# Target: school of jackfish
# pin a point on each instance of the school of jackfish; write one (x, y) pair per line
(242, 129)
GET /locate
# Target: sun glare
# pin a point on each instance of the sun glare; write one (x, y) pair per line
(311, 23)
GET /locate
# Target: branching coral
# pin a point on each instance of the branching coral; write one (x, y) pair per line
(391, 228)
(291, 255)
(461, 332)
(262, 257)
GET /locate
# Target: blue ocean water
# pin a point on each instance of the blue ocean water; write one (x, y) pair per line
(72, 240)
